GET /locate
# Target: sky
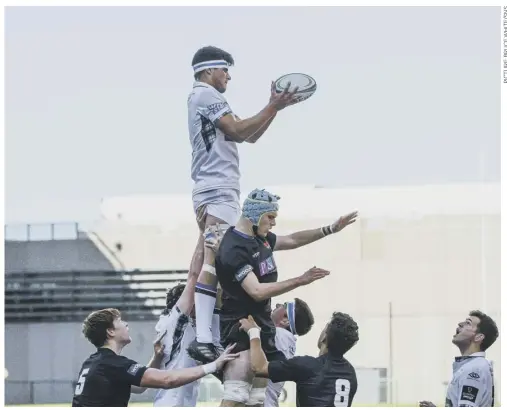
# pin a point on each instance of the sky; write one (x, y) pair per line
(95, 99)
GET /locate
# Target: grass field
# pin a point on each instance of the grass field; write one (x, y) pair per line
(203, 405)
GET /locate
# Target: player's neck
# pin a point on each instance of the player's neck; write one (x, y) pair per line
(112, 345)
(244, 227)
(469, 350)
(206, 81)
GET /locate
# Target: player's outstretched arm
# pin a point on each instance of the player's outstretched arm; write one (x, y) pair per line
(262, 291)
(301, 238)
(170, 379)
(251, 129)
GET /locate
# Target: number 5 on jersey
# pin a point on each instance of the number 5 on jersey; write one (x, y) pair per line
(81, 382)
(341, 398)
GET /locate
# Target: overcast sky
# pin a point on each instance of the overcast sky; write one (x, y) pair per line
(96, 99)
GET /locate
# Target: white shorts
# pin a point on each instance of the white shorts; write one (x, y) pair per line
(222, 203)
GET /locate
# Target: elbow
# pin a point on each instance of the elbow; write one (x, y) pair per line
(237, 135)
(258, 295)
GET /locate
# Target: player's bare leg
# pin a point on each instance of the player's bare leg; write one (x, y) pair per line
(257, 392)
(238, 377)
(203, 349)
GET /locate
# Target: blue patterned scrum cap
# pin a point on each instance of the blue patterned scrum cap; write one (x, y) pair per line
(259, 202)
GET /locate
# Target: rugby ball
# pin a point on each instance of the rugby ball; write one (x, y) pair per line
(306, 85)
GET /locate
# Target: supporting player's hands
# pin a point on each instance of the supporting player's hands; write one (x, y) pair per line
(226, 357)
(425, 403)
(283, 99)
(213, 237)
(201, 217)
(343, 222)
(158, 346)
(247, 324)
(312, 275)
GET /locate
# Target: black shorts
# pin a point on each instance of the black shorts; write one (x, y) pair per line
(230, 333)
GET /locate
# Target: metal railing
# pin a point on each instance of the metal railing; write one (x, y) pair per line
(65, 296)
(43, 231)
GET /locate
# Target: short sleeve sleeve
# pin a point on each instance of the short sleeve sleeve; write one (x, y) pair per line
(239, 263)
(474, 388)
(127, 370)
(292, 370)
(213, 105)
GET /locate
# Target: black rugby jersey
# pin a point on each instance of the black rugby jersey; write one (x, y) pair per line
(323, 381)
(105, 379)
(237, 256)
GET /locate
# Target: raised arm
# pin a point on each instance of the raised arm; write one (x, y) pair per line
(302, 238)
(170, 379)
(262, 291)
(294, 369)
(251, 129)
(155, 361)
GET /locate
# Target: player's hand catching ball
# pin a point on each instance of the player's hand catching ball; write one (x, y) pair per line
(226, 356)
(312, 275)
(247, 324)
(283, 99)
(343, 222)
(158, 346)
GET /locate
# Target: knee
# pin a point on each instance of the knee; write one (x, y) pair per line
(236, 391)
(256, 397)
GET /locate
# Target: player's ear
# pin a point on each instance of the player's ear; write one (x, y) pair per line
(110, 332)
(479, 337)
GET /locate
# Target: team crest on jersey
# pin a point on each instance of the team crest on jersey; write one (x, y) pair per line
(267, 266)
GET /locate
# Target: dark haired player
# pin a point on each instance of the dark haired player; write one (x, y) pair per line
(325, 381)
(292, 319)
(472, 383)
(214, 132)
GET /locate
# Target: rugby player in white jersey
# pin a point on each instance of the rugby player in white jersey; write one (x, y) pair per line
(177, 325)
(214, 132)
(291, 319)
(472, 381)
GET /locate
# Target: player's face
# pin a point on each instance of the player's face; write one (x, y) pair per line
(466, 332)
(267, 222)
(121, 331)
(321, 343)
(220, 77)
(279, 316)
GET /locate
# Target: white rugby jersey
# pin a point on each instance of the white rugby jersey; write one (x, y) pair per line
(180, 333)
(285, 341)
(215, 159)
(472, 382)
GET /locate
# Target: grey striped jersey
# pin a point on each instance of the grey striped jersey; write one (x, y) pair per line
(215, 159)
(285, 341)
(180, 333)
(472, 382)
